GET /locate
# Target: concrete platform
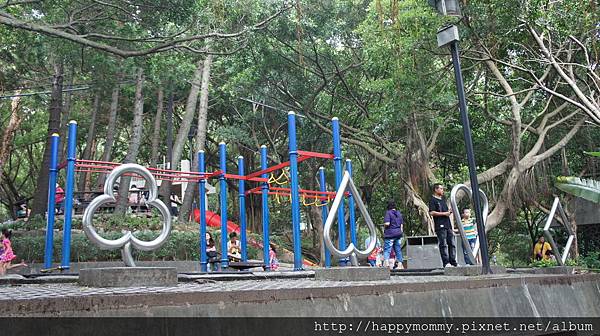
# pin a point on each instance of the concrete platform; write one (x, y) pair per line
(472, 270)
(128, 277)
(549, 270)
(353, 273)
(507, 295)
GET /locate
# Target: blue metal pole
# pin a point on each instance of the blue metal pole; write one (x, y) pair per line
(324, 213)
(242, 191)
(223, 203)
(202, 208)
(337, 165)
(54, 142)
(352, 214)
(294, 191)
(265, 207)
(70, 184)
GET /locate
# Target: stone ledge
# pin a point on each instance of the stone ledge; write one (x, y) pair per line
(128, 277)
(353, 273)
(471, 270)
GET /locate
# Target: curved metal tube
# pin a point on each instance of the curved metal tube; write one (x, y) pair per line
(128, 239)
(458, 220)
(353, 251)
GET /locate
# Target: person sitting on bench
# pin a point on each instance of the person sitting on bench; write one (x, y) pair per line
(233, 247)
(211, 253)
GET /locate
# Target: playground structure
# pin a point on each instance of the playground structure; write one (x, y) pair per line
(321, 197)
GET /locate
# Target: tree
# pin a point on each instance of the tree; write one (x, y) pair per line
(163, 25)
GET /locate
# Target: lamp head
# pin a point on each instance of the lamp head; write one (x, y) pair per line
(446, 7)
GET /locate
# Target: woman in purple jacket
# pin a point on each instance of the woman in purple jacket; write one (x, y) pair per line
(392, 234)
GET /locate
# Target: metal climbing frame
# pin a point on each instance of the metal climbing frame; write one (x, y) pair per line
(316, 197)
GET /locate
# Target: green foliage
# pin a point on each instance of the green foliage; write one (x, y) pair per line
(34, 223)
(374, 64)
(591, 261)
(544, 263)
(513, 250)
(179, 246)
(584, 188)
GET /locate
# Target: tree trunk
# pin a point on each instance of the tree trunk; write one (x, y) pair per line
(64, 120)
(317, 222)
(200, 136)
(157, 122)
(89, 142)
(9, 132)
(111, 127)
(134, 143)
(40, 200)
(184, 127)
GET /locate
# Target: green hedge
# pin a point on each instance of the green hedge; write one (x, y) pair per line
(179, 246)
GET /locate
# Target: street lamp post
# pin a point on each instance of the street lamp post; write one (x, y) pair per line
(448, 36)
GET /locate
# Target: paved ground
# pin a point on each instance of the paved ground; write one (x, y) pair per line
(204, 285)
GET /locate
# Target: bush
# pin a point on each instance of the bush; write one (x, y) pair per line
(544, 263)
(179, 246)
(591, 261)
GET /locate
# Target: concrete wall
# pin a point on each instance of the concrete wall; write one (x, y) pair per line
(586, 212)
(526, 296)
(182, 266)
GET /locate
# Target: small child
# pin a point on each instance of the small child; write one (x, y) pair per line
(374, 256)
(273, 262)
(7, 255)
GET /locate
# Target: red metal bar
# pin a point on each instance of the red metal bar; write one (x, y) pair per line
(235, 177)
(161, 172)
(246, 178)
(151, 169)
(283, 193)
(270, 169)
(279, 166)
(315, 154)
(256, 179)
(322, 198)
(305, 191)
(95, 161)
(253, 190)
(171, 178)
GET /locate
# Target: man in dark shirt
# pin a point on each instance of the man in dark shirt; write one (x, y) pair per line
(438, 209)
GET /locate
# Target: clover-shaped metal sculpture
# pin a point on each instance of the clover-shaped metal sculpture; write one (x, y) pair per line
(565, 223)
(128, 239)
(471, 252)
(351, 250)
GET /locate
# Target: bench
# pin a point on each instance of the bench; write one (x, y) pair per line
(242, 266)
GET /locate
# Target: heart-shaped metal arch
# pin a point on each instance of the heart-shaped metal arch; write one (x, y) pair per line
(458, 221)
(352, 250)
(128, 239)
(556, 206)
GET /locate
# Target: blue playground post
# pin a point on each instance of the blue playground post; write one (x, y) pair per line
(337, 165)
(324, 213)
(70, 183)
(265, 207)
(352, 214)
(223, 203)
(202, 208)
(54, 142)
(294, 191)
(242, 192)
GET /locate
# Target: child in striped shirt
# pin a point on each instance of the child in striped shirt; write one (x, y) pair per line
(470, 228)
